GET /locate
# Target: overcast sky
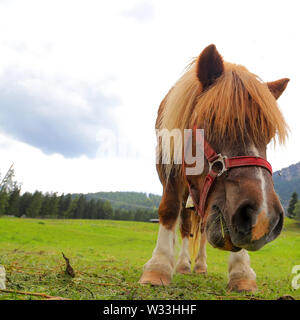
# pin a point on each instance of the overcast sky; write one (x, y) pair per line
(81, 81)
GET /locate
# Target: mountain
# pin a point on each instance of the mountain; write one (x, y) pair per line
(287, 181)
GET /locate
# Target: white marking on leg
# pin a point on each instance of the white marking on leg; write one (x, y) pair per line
(239, 266)
(184, 253)
(184, 262)
(200, 263)
(163, 255)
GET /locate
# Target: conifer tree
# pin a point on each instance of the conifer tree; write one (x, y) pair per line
(13, 203)
(297, 211)
(35, 204)
(292, 203)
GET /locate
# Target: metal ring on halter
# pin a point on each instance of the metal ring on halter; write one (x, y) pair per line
(220, 159)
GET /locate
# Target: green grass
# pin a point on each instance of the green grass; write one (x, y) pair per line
(108, 257)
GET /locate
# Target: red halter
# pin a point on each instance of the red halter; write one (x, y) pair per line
(227, 164)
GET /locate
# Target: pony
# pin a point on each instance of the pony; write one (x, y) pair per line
(240, 116)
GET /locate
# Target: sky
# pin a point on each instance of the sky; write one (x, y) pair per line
(81, 82)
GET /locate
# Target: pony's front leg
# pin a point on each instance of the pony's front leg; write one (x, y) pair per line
(184, 261)
(241, 276)
(159, 269)
(200, 262)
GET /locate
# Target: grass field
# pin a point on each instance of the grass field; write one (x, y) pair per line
(108, 257)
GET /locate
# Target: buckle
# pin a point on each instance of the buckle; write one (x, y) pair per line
(218, 165)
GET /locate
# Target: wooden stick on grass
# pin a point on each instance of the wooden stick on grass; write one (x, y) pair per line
(44, 295)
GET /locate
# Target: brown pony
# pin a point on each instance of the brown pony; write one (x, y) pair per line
(240, 116)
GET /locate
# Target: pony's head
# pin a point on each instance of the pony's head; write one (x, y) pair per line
(240, 116)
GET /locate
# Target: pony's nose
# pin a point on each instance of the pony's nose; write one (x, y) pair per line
(244, 218)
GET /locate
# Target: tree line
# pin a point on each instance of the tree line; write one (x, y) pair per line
(51, 205)
(127, 200)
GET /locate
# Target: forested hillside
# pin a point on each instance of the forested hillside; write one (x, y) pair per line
(50, 205)
(126, 200)
(287, 181)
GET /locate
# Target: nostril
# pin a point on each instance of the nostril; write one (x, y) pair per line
(243, 218)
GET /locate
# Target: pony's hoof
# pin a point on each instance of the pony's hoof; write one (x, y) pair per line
(242, 285)
(183, 269)
(155, 278)
(200, 270)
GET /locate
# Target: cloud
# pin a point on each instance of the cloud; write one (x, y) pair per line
(54, 115)
(39, 171)
(141, 12)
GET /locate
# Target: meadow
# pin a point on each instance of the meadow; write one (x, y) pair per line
(108, 256)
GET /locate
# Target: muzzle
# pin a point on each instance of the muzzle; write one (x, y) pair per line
(218, 164)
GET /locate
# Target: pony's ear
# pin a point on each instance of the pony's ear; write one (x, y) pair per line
(278, 86)
(209, 66)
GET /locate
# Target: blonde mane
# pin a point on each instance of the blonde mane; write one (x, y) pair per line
(238, 104)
